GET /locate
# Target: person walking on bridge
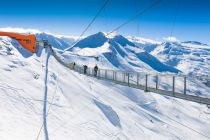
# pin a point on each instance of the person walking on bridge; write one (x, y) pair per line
(85, 69)
(73, 67)
(95, 70)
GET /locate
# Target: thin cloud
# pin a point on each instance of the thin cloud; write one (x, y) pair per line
(19, 30)
(171, 39)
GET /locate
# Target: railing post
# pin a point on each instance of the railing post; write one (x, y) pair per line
(78, 69)
(128, 79)
(105, 74)
(137, 78)
(124, 77)
(98, 72)
(173, 86)
(185, 85)
(87, 71)
(146, 77)
(113, 75)
(157, 82)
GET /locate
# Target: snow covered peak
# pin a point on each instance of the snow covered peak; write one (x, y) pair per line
(98, 40)
(123, 41)
(92, 41)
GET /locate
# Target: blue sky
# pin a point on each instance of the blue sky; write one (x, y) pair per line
(70, 17)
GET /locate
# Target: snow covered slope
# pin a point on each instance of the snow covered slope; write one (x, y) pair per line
(190, 57)
(115, 52)
(35, 87)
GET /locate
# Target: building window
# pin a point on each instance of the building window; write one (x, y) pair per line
(28, 41)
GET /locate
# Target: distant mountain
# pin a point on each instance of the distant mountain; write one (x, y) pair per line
(190, 57)
(57, 42)
(117, 52)
(92, 41)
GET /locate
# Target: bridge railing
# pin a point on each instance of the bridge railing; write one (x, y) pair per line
(168, 82)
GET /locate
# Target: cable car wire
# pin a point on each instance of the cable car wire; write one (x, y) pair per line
(175, 19)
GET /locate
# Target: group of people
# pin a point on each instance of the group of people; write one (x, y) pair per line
(95, 69)
(85, 67)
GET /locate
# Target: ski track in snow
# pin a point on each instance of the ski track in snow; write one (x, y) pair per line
(45, 96)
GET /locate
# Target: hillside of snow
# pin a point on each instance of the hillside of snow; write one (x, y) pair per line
(36, 91)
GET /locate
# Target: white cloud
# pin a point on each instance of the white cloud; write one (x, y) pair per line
(171, 39)
(20, 30)
(143, 40)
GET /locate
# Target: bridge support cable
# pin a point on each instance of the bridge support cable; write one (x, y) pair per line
(140, 13)
(174, 20)
(88, 26)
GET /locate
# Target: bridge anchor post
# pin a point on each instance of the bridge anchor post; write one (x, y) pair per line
(173, 86)
(185, 85)
(128, 79)
(156, 87)
(137, 79)
(146, 79)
